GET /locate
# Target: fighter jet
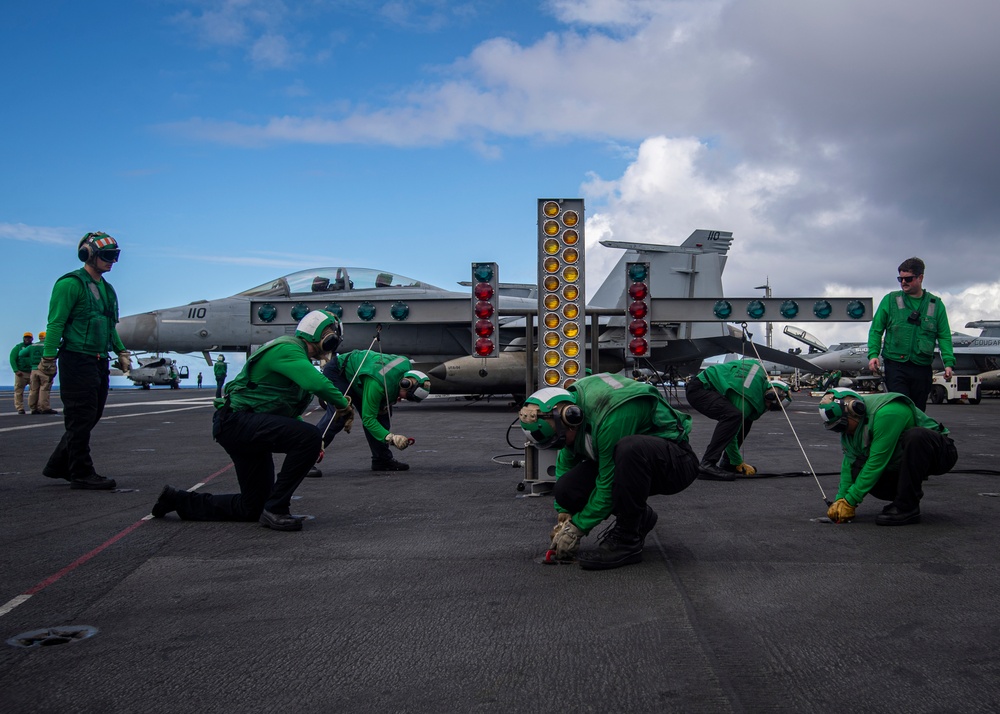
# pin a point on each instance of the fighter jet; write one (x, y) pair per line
(440, 342)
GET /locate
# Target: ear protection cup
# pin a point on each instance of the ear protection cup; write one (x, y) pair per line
(86, 251)
(406, 383)
(854, 407)
(572, 415)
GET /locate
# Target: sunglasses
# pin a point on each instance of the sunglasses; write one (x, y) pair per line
(907, 278)
(109, 255)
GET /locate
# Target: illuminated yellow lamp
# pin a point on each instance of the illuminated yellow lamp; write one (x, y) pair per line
(570, 237)
(571, 218)
(551, 228)
(551, 377)
(552, 321)
(552, 339)
(551, 283)
(570, 275)
(571, 329)
(572, 368)
(571, 255)
(550, 209)
(571, 311)
(551, 246)
(572, 349)
(551, 265)
(551, 302)
(571, 292)
(552, 358)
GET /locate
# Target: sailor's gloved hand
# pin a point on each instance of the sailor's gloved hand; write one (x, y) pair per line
(397, 440)
(840, 511)
(563, 517)
(47, 366)
(125, 361)
(746, 469)
(566, 541)
(345, 414)
(872, 365)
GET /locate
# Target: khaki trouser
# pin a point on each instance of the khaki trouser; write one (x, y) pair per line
(21, 380)
(38, 394)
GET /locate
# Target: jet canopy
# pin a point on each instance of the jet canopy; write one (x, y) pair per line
(325, 280)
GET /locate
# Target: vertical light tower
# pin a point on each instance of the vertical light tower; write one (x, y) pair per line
(561, 291)
(485, 297)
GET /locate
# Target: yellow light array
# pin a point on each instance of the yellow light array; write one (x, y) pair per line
(561, 291)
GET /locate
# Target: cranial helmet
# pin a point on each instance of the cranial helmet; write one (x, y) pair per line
(41, 335)
(837, 405)
(98, 245)
(28, 334)
(778, 390)
(314, 324)
(542, 406)
(417, 385)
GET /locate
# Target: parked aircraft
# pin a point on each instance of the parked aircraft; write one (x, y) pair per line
(973, 355)
(160, 371)
(442, 349)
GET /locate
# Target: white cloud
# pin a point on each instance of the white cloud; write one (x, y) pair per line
(39, 234)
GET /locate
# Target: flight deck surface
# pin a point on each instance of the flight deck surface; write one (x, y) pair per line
(421, 591)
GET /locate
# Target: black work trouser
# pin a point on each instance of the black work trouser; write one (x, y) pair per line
(378, 447)
(925, 452)
(913, 380)
(729, 421)
(83, 389)
(644, 466)
(250, 440)
(218, 387)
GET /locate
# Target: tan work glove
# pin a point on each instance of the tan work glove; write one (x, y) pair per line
(397, 440)
(346, 413)
(125, 361)
(566, 541)
(840, 511)
(746, 469)
(563, 517)
(47, 366)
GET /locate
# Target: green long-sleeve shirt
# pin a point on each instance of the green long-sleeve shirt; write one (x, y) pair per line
(906, 341)
(69, 302)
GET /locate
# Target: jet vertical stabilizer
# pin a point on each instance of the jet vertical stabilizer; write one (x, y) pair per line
(690, 270)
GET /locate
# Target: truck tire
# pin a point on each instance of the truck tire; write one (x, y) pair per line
(978, 397)
(938, 394)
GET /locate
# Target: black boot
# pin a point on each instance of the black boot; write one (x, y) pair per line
(390, 465)
(710, 472)
(617, 547)
(647, 523)
(166, 503)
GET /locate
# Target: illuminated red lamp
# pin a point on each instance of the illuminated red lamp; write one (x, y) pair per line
(484, 347)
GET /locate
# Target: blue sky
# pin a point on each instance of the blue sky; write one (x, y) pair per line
(226, 142)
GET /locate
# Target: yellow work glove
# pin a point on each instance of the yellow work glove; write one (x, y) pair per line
(840, 511)
(746, 469)
(566, 541)
(47, 366)
(563, 517)
(346, 414)
(397, 440)
(125, 361)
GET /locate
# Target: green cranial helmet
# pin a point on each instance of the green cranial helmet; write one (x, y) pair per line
(543, 428)
(98, 245)
(839, 404)
(778, 390)
(314, 324)
(418, 388)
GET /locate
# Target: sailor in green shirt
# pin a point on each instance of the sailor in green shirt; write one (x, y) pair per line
(261, 414)
(21, 378)
(619, 443)
(735, 394)
(890, 448)
(912, 320)
(41, 383)
(81, 332)
(376, 381)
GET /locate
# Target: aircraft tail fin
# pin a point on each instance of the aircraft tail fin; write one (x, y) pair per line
(989, 328)
(717, 241)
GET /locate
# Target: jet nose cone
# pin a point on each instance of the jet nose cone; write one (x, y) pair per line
(139, 332)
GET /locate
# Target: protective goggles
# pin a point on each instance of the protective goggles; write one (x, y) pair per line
(108, 255)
